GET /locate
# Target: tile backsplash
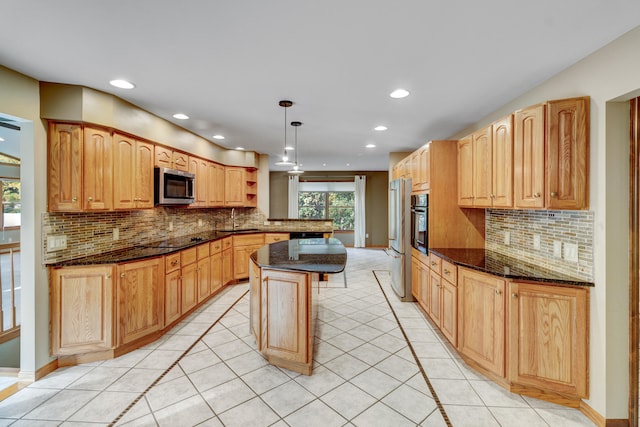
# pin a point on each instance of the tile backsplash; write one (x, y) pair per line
(93, 233)
(550, 227)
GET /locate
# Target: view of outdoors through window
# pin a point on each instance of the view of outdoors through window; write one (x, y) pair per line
(335, 205)
(10, 203)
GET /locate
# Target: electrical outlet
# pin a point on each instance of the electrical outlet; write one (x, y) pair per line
(116, 234)
(557, 248)
(571, 252)
(56, 243)
(507, 238)
(266, 223)
(170, 225)
(536, 241)
(366, 236)
(199, 223)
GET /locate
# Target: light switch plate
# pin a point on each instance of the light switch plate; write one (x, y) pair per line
(56, 243)
(536, 241)
(557, 248)
(507, 238)
(571, 252)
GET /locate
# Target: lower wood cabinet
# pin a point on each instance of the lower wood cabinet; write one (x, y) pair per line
(481, 319)
(82, 309)
(548, 342)
(140, 296)
(243, 246)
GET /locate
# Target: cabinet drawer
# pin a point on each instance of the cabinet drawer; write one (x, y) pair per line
(227, 243)
(248, 239)
(435, 263)
(275, 237)
(215, 247)
(188, 256)
(450, 272)
(203, 251)
(172, 262)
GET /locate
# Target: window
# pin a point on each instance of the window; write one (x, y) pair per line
(328, 200)
(11, 203)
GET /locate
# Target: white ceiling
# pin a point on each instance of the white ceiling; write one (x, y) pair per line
(227, 63)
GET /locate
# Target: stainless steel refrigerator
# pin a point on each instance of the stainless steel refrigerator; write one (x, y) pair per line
(400, 237)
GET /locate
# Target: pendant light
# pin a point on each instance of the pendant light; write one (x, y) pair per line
(296, 167)
(285, 158)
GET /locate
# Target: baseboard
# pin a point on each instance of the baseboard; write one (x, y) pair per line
(599, 420)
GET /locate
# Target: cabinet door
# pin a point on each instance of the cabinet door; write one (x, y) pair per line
(216, 271)
(140, 299)
(528, 157)
(481, 319)
(172, 303)
(81, 309)
(286, 331)
(255, 302)
(215, 187)
(163, 157)
(234, 186)
(548, 341)
(204, 279)
(482, 170)
(424, 286)
(502, 163)
(416, 277)
(189, 287)
(434, 297)
(449, 310)
(199, 168)
(124, 174)
(425, 167)
(568, 154)
(144, 175)
(65, 167)
(98, 170)
(180, 161)
(227, 266)
(465, 172)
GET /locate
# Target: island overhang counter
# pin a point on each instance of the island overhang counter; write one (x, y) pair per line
(282, 311)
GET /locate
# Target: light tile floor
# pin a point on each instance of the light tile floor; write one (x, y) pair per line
(206, 371)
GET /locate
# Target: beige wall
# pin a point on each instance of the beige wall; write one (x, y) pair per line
(21, 99)
(375, 200)
(610, 76)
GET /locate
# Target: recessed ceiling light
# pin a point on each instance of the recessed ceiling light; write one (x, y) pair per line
(122, 84)
(348, 164)
(370, 146)
(399, 93)
(380, 128)
(324, 164)
(180, 116)
(218, 136)
(288, 148)
(1, 139)
(240, 148)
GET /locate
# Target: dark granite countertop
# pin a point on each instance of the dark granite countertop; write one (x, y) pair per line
(504, 266)
(307, 255)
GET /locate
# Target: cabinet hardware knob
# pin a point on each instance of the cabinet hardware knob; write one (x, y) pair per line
(122, 275)
(174, 262)
(514, 295)
(446, 271)
(108, 276)
(90, 199)
(554, 194)
(536, 195)
(498, 292)
(74, 199)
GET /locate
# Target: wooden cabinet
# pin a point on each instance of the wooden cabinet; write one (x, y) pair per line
(255, 303)
(227, 260)
(481, 319)
(243, 247)
(188, 279)
(200, 168)
(251, 187)
(567, 154)
(449, 310)
(434, 305)
(233, 186)
(204, 272)
(528, 157)
(81, 309)
(275, 237)
(215, 249)
(167, 158)
(548, 342)
(133, 173)
(420, 169)
(215, 185)
(485, 160)
(80, 168)
(402, 169)
(140, 299)
(172, 292)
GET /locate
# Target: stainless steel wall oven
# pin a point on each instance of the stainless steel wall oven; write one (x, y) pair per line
(420, 222)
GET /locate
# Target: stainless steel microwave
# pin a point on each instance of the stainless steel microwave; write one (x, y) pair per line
(173, 187)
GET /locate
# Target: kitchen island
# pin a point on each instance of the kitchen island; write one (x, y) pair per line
(282, 312)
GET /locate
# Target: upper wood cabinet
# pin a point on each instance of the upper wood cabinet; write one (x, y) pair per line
(402, 169)
(485, 161)
(168, 158)
(200, 168)
(551, 155)
(234, 186)
(132, 173)
(251, 187)
(420, 169)
(80, 168)
(215, 185)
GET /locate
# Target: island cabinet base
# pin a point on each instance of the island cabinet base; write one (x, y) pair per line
(282, 316)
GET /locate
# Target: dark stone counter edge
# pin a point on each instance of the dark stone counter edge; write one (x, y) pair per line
(150, 250)
(542, 278)
(274, 256)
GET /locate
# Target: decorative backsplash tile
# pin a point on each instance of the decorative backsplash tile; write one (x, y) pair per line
(565, 227)
(93, 233)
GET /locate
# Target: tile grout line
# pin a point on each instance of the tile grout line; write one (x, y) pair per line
(424, 374)
(166, 371)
